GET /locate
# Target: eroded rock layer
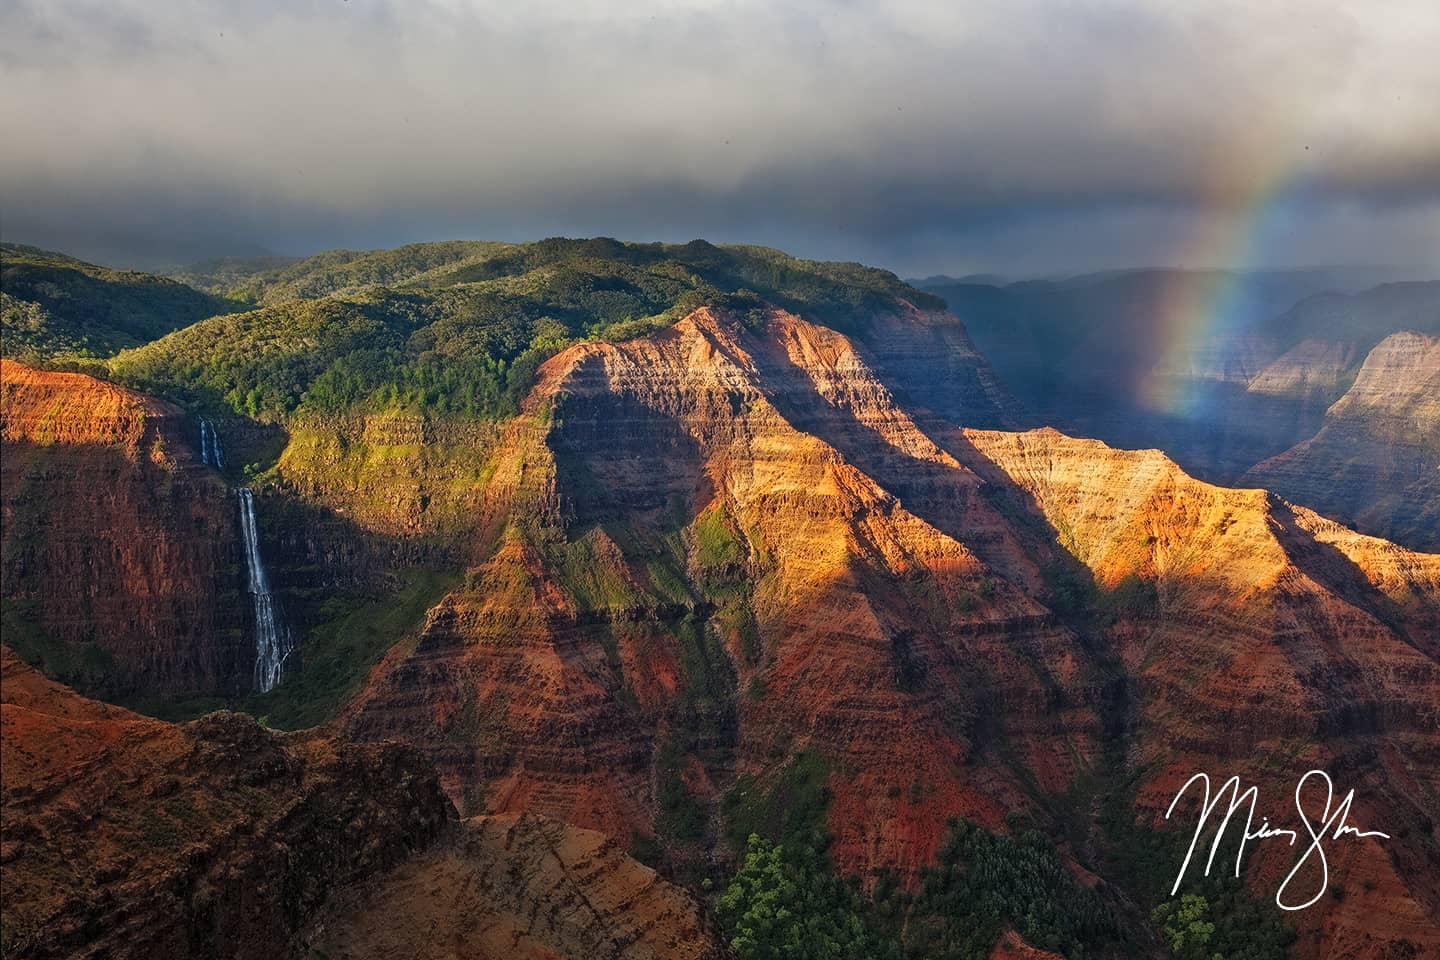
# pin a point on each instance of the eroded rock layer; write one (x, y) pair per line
(748, 542)
(118, 560)
(1265, 641)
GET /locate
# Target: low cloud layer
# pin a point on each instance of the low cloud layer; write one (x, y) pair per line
(1020, 137)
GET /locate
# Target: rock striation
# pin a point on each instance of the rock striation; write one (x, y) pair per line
(697, 558)
(1375, 462)
(118, 558)
(739, 539)
(1264, 641)
(686, 552)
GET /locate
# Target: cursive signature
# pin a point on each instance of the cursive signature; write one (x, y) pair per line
(1331, 825)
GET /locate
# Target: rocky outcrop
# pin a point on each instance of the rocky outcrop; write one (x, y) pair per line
(119, 556)
(396, 476)
(696, 557)
(125, 836)
(1264, 641)
(522, 887)
(1314, 371)
(129, 837)
(929, 358)
(1375, 461)
(1227, 373)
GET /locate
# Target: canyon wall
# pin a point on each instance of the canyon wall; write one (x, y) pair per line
(747, 545)
(119, 561)
(1375, 461)
(683, 560)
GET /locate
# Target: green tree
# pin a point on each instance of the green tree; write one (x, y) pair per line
(789, 905)
(1186, 928)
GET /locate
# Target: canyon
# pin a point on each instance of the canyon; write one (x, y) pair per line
(689, 576)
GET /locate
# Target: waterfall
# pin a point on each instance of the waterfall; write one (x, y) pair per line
(210, 452)
(272, 640)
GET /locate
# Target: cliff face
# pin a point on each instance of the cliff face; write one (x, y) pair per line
(119, 557)
(130, 837)
(686, 553)
(1261, 360)
(1375, 461)
(698, 559)
(1274, 642)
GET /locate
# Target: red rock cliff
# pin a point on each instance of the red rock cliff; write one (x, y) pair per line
(118, 545)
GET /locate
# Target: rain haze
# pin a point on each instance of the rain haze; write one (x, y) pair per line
(1020, 138)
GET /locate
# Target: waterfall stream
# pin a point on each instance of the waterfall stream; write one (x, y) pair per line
(272, 640)
(210, 453)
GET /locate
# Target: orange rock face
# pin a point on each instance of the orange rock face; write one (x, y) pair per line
(129, 837)
(1279, 642)
(731, 579)
(696, 556)
(118, 544)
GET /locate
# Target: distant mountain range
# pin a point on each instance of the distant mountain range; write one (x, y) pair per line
(1222, 372)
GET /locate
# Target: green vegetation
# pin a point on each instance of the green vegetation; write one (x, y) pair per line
(460, 328)
(985, 883)
(593, 572)
(787, 901)
(681, 816)
(716, 544)
(784, 905)
(276, 279)
(83, 665)
(709, 679)
(55, 307)
(340, 651)
(1224, 923)
(1222, 919)
(1186, 930)
(790, 809)
(1231, 922)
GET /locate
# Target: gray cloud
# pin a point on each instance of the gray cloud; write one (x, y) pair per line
(926, 136)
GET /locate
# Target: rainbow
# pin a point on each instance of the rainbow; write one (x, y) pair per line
(1251, 198)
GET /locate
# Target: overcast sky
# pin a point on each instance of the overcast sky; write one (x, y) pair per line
(953, 136)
